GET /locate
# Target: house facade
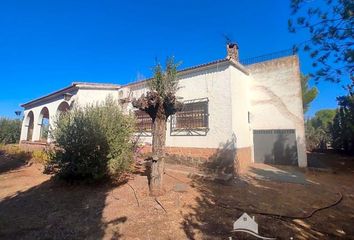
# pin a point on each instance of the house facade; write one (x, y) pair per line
(233, 114)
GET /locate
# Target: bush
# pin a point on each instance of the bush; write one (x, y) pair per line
(317, 129)
(40, 156)
(92, 143)
(316, 138)
(10, 130)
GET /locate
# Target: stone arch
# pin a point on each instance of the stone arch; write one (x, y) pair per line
(62, 108)
(43, 122)
(29, 125)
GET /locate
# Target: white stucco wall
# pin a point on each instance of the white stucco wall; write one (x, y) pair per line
(88, 96)
(52, 105)
(212, 83)
(82, 96)
(276, 101)
(240, 86)
(270, 91)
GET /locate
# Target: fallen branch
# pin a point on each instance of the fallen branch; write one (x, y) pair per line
(175, 178)
(160, 204)
(136, 198)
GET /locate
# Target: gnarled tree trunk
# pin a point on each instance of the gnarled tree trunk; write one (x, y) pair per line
(158, 150)
(160, 103)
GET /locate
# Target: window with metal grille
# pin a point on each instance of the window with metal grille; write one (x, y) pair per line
(143, 121)
(193, 117)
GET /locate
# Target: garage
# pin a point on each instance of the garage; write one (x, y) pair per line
(275, 146)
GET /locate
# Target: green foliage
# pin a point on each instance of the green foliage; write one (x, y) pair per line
(342, 128)
(10, 130)
(308, 94)
(40, 156)
(313, 136)
(93, 142)
(165, 82)
(323, 118)
(330, 26)
(162, 95)
(318, 135)
(335, 127)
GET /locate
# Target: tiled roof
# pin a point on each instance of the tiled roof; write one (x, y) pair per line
(115, 86)
(71, 87)
(109, 85)
(236, 64)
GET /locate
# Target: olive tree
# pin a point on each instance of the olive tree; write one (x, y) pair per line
(159, 103)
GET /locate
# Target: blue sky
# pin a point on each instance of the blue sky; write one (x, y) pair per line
(46, 45)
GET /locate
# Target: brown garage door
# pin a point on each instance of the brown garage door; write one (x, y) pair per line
(275, 146)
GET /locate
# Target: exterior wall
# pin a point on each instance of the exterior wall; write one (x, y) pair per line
(240, 83)
(52, 106)
(240, 87)
(81, 97)
(228, 144)
(212, 83)
(215, 160)
(276, 101)
(86, 96)
(271, 92)
(211, 160)
(244, 157)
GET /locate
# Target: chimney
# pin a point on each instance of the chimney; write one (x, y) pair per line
(232, 51)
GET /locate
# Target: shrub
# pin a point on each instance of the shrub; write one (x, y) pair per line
(317, 129)
(40, 156)
(93, 142)
(316, 138)
(10, 130)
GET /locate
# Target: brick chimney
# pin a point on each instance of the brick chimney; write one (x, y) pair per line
(232, 51)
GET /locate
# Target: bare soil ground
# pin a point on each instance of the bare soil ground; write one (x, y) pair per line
(34, 206)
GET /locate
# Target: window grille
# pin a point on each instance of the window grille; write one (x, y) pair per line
(274, 131)
(193, 119)
(143, 121)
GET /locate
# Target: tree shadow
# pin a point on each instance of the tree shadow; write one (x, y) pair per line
(223, 160)
(283, 153)
(331, 160)
(205, 218)
(218, 204)
(10, 161)
(223, 164)
(56, 210)
(279, 174)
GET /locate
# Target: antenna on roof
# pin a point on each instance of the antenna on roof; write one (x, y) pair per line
(227, 38)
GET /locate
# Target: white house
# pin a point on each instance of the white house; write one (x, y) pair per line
(232, 112)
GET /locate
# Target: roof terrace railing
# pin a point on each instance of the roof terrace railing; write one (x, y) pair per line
(267, 57)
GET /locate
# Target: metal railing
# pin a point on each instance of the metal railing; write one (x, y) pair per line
(267, 57)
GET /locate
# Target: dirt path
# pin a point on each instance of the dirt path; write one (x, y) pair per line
(32, 206)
